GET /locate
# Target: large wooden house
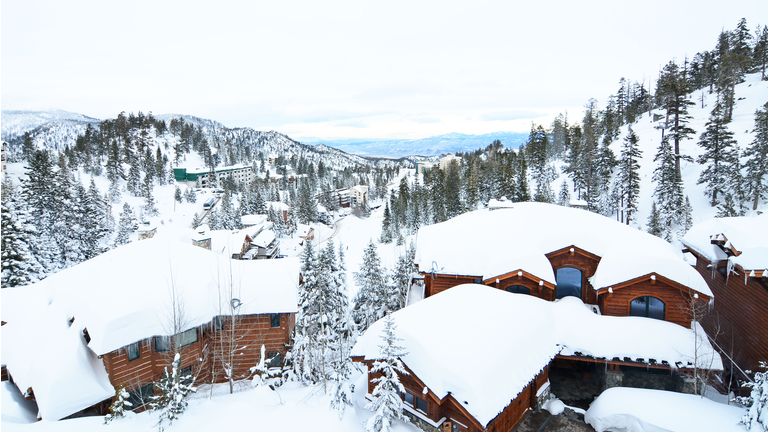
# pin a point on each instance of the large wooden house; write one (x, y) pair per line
(479, 358)
(552, 252)
(732, 256)
(118, 319)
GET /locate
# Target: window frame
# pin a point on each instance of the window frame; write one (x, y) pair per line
(647, 299)
(581, 282)
(134, 346)
(179, 339)
(272, 318)
(164, 340)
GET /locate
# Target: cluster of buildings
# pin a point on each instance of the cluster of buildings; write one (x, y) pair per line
(516, 302)
(205, 177)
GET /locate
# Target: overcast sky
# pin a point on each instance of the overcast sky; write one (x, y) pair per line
(348, 69)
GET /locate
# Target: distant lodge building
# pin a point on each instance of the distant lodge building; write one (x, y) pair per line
(70, 340)
(352, 197)
(201, 177)
(732, 256)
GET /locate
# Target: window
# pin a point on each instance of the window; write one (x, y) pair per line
(162, 344)
(141, 395)
(421, 404)
(408, 398)
(568, 282)
(647, 306)
(274, 360)
(518, 289)
(186, 338)
(134, 351)
(274, 320)
(218, 323)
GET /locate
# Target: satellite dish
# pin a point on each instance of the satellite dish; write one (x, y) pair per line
(236, 303)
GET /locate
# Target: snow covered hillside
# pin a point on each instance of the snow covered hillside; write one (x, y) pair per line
(55, 128)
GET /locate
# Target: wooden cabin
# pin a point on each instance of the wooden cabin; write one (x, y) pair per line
(618, 270)
(731, 254)
(446, 390)
(117, 307)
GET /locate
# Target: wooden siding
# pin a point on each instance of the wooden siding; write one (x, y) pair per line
(435, 284)
(676, 300)
(739, 318)
(253, 331)
(580, 259)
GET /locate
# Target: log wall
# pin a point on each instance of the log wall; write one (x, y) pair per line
(677, 310)
(739, 318)
(579, 259)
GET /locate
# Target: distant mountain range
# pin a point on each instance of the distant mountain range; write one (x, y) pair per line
(62, 124)
(430, 146)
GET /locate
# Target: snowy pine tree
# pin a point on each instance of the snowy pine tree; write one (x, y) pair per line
(756, 417)
(190, 196)
(757, 156)
(371, 298)
(655, 226)
(669, 189)
(19, 265)
(628, 177)
(564, 196)
(387, 403)
(119, 404)
(718, 155)
(401, 280)
(125, 225)
(174, 389)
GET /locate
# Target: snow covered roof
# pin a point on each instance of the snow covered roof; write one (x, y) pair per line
(277, 205)
(747, 235)
(121, 297)
(255, 219)
(264, 239)
(473, 243)
(496, 326)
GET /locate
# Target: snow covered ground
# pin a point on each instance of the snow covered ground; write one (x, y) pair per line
(642, 410)
(291, 407)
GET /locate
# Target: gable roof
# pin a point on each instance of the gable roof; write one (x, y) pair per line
(475, 242)
(477, 322)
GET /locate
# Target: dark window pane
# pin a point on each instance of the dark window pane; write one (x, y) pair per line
(568, 282)
(518, 289)
(409, 399)
(274, 320)
(140, 396)
(647, 306)
(421, 404)
(186, 338)
(274, 360)
(134, 351)
(656, 308)
(162, 344)
(638, 307)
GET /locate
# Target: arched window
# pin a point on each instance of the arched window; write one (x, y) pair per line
(568, 282)
(518, 289)
(648, 306)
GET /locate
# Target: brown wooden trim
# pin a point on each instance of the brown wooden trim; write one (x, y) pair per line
(658, 277)
(514, 274)
(613, 362)
(576, 250)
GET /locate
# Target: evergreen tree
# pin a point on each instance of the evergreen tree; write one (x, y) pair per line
(371, 298)
(564, 197)
(134, 181)
(669, 188)
(387, 403)
(305, 350)
(177, 194)
(174, 388)
(756, 417)
(27, 146)
(190, 195)
(120, 402)
(757, 157)
(196, 222)
(125, 225)
(19, 265)
(672, 93)
(718, 144)
(94, 218)
(628, 175)
(654, 222)
(401, 280)
(386, 233)
(523, 191)
(149, 199)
